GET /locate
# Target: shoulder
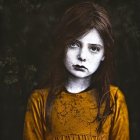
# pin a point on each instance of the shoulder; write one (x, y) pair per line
(39, 93)
(120, 119)
(116, 94)
(38, 96)
(118, 103)
(120, 116)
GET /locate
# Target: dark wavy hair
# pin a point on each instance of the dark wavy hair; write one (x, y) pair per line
(76, 21)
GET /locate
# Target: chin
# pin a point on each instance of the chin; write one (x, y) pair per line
(80, 75)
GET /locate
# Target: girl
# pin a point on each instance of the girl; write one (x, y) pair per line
(79, 102)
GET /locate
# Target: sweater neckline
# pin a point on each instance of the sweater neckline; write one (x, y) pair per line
(79, 93)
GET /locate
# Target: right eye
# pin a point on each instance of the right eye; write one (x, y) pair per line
(74, 44)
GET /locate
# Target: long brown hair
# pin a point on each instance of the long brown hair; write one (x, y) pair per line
(76, 21)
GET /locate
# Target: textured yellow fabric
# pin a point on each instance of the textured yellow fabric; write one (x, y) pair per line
(73, 117)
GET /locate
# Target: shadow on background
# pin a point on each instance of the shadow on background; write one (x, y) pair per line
(25, 43)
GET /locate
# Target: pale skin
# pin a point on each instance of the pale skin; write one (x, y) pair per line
(82, 59)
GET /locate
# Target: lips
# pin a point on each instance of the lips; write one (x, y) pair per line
(79, 67)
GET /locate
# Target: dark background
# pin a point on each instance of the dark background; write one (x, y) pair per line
(26, 40)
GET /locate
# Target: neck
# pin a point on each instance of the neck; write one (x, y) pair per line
(76, 85)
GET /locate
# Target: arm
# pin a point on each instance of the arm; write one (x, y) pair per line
(34, 125)
(120, 124)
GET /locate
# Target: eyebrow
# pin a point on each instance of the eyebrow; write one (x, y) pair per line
(79, 42)
(98, 45)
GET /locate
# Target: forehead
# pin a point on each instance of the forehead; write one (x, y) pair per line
(91, 37)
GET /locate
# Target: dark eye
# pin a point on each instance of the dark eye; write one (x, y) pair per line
(94, 48)
(74, 44)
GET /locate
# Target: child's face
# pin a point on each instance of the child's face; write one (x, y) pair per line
(83, 56)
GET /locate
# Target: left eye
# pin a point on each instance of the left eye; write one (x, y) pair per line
(94, 49)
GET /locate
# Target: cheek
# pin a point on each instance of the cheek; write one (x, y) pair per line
(95, 61)
(70, 56)
(94, 67)
(68, 59)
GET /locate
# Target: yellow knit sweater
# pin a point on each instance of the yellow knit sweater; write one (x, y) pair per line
(73, 117)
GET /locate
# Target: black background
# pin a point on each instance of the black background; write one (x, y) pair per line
(26, 40)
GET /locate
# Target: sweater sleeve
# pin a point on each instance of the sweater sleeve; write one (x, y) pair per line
(34, 124)
(120, 124)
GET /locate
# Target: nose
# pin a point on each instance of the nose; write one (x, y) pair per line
(82, 55)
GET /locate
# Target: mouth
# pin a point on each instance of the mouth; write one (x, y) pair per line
(79, 67)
